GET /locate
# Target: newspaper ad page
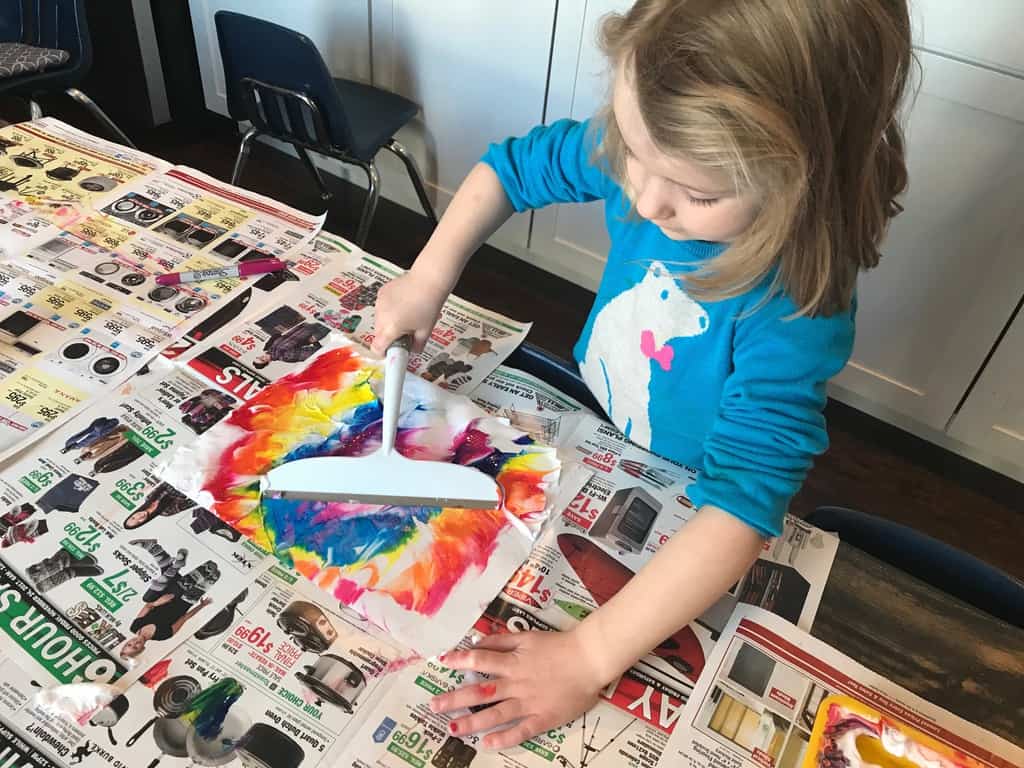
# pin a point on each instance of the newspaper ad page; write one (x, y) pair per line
(49, 161)
(190, 208)
(80, 308)
(468, 342)
(530, 404)
(755, 706)
(305, 673)
(105, 567)
(326, 250)
(63, 342)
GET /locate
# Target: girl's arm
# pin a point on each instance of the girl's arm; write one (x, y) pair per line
(412, 302)
(545, 679)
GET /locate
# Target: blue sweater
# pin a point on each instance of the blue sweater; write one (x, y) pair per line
(733, 388)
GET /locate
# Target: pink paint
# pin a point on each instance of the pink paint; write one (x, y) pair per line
(399, 664)
(649, 350)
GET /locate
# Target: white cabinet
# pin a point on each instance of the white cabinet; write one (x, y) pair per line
(992, 417)
(571, 240)
(951, 272)
(479, 71)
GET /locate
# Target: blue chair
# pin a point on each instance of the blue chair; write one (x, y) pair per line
(563, 375)
(278, 81)
(59, 25)
(944, 567)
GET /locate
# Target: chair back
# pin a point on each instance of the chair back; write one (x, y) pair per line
(277, 80)
(62, 24)
(12, 21)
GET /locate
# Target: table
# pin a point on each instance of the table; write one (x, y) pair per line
(926, 641)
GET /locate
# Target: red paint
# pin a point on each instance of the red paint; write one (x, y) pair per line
(453, 727)
(488, 689)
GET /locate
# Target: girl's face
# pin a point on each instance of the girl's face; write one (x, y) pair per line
(684, 200)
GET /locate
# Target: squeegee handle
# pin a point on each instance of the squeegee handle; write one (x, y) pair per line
(395, 363)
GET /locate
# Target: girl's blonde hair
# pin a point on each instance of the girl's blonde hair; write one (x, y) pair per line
(797, 99)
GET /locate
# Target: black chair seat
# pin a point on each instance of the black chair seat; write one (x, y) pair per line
(374, 116)
(53, 53)
(22, 59)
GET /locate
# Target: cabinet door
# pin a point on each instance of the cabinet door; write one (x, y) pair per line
(992, 416)
(479, 72)
(571, 240)
(950, 276)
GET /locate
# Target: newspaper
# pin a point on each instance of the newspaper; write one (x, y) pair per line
(95, 547)
(307, 671)
(254, 296)
(62, 342)
(402, 731)
(467, 344)
(183, 205)
(49, 161)
(530, 404)
(769, 677)
(86, 228)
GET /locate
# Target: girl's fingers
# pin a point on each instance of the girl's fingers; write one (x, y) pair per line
(502, 641)
(511, 737)
(470, 696)
(419, 340)
(499, 714)
(497, 663)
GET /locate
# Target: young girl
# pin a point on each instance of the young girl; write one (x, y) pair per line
(749, 163)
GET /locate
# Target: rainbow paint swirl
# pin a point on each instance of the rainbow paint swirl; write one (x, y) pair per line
(416, 557)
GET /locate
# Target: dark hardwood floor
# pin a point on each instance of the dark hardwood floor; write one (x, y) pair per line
(870, 465)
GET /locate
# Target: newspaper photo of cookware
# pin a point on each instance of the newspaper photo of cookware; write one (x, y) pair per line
(264, 746)
(110, 715)
(334, 679)
(308, 626)
(170, 699)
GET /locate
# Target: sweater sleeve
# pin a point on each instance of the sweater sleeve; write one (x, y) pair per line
(771, 423)
(551, 164)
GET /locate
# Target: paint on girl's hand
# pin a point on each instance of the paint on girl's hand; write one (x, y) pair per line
(398, 566)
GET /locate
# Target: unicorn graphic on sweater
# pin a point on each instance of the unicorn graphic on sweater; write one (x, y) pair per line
(630, 336)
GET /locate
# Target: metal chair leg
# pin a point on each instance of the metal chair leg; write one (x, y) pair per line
(325, 193)
(415, 176)
(35, 111)
(243, 154)
(100, 115)
(370, 206)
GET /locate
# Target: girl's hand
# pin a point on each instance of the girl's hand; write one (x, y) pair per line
(542, 680)
(411, 303)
